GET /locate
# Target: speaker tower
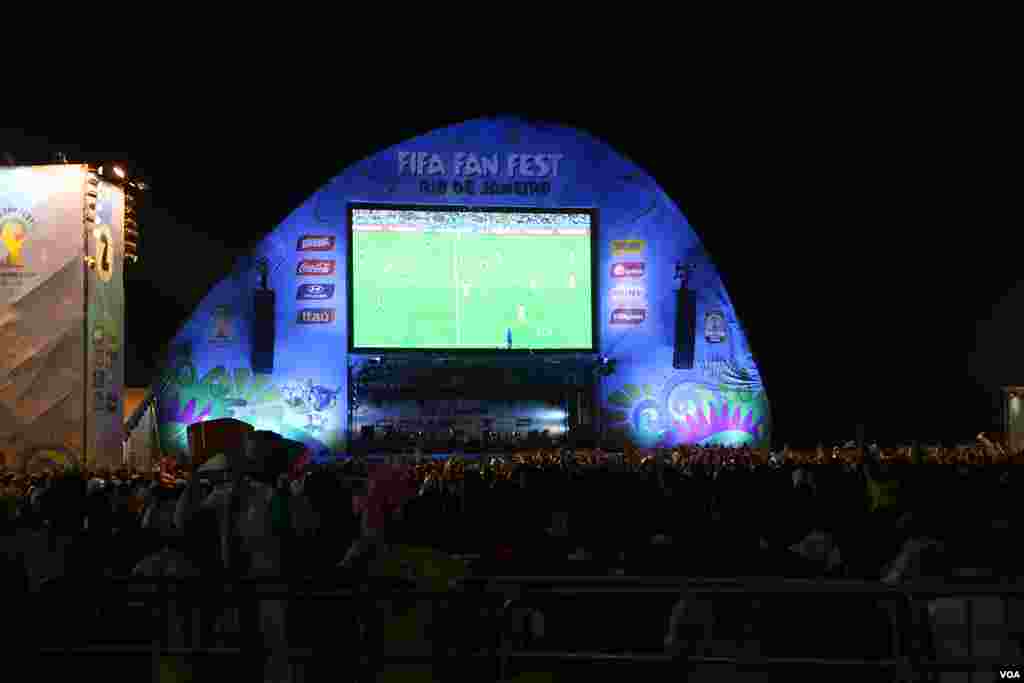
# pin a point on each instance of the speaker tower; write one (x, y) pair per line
(263, 332)
(686, 329)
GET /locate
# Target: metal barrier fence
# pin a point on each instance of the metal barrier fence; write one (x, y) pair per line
(499, 594)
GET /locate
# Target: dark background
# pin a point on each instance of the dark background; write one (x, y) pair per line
(852, 226)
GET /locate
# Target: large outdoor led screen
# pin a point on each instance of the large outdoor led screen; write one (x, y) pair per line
(442, 278)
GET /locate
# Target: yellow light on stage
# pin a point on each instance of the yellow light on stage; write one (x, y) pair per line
(119, 172)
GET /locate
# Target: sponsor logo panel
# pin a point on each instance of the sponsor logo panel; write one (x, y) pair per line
(315, 267)
(316, 316)
(628, 269)
(315, 243)
(315, 291)
(627, 247)
(624, 292)
(628, 316)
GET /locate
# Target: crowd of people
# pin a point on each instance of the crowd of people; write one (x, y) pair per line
(689, 511)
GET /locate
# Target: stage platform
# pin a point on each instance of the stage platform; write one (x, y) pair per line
(381, 457)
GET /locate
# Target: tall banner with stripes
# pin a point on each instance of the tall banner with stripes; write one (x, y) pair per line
(105, 328)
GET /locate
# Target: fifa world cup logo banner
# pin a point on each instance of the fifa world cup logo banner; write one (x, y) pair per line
(13, 233)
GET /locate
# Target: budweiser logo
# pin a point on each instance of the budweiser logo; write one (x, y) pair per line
(628, 269)
(314, 316)
(628, 316)
(315, 267)
(316, 243)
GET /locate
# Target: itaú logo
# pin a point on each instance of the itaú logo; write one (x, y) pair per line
(316, 316)
(315, 267)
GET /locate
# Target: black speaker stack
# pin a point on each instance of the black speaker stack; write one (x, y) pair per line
(686, 329)
(263, 332)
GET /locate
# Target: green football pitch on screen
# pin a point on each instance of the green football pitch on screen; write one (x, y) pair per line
(464, 290)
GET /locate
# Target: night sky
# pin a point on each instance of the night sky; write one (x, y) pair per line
(855, 255)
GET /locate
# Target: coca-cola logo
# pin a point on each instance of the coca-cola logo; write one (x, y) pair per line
(628, 316)
(628, 269)
(316, 243)
(316, 316)
(315, 267)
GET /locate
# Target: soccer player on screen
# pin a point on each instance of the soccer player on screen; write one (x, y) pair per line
(518, 323)
(572, 280)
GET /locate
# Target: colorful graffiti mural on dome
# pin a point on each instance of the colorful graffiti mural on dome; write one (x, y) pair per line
(301, 410)
(685, 411)
(719, 416)
(636, 413)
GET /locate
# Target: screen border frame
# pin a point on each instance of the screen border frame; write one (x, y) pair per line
(595, 273)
